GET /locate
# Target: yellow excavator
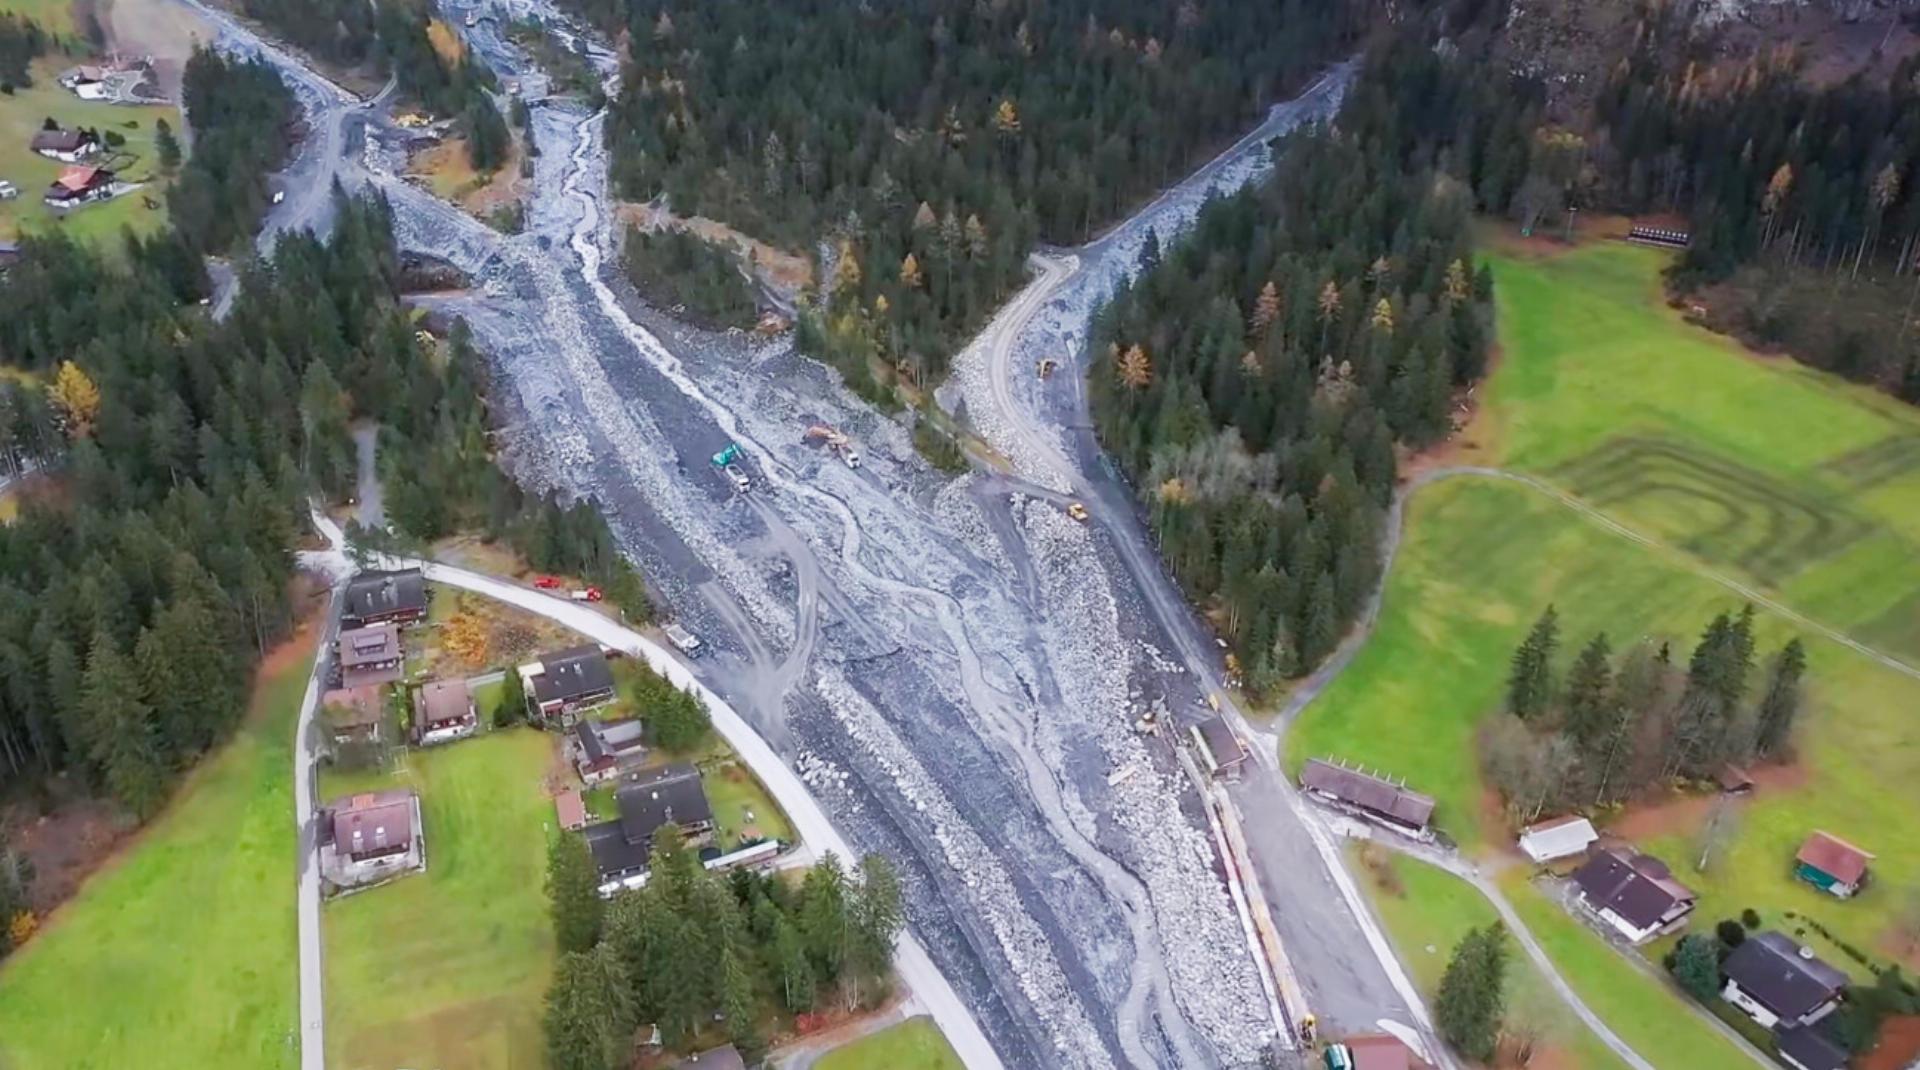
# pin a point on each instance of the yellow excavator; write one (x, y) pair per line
(1046, 366)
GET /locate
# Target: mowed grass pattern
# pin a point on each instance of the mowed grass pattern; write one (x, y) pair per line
(180, 953)
(447, 968)
(1724, 458)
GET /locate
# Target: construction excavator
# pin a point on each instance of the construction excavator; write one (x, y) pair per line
(837, 442)
(1046, 366)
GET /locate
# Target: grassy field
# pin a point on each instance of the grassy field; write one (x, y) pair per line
(180, 953)
(446, 968)
(20, 117)
(1753, 469)
(1426, 911)
(55, 16)
(915, 1044)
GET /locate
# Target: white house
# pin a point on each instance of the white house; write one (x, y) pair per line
(1560, 838)
(1777, 982)
(1633, 893)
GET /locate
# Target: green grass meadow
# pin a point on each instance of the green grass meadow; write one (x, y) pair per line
(1426, 911)
(20, 117)
(447, 968)
(180, 952)
(1749, 468)
(915, 1044)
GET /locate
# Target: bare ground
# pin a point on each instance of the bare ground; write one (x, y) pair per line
(786, 271)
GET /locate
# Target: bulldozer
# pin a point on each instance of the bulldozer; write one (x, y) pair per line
(840, 444)
(1046, 367)
(1077, 511)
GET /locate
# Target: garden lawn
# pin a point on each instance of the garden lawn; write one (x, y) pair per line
(447, 968)
(733, 792)
(1427, 911)
(20, 117)
(915, 1044)
(181, 951)
(54, 16)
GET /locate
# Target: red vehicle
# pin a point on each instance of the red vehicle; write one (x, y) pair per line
(547, 583)
(589, 594)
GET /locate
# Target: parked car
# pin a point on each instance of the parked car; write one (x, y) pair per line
(8, 191)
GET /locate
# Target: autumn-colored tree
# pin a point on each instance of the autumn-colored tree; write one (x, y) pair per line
(910, 273)
(1136, 369)
(1006, 118)
(846, 273)
(1458, 288)
(663, 27)
(77, 399)
(1382, 320)
(923, 216)
(21, 928)
(1266, 308)
(976, 232)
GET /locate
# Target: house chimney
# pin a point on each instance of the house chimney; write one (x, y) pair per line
(1806, 952)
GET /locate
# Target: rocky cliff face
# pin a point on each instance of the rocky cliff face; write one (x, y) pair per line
(1713, 12)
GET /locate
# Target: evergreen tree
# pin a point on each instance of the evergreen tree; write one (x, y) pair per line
(1780, 705)
(166, 146)
(875, 918)
(573, 892)
(824, 918)
(1696, 966)
(1530, 681)
(1472, 996)
(1590, 699)
(118, 729)
(585, 1025)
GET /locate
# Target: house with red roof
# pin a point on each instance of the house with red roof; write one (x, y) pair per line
(78, 185)
(1831, 864)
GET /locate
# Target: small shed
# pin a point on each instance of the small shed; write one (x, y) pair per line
(1832, 865)
(1221, 747)
(570, 810)
(1562, 837)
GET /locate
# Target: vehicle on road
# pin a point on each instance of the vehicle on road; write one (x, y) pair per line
(740, 481)
(279, 195)
(547, 583)
(1077, 511)
(688, 642)
(587, 594)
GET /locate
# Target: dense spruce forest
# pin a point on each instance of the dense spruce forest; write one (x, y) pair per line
(673, 267)
(392, 38)
(21, 42)
(242, 116)
(931, 143)
(1254, 380)
(698, 954)
(1605, 727)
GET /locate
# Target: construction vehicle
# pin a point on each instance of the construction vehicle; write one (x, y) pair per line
(587, 594)
(1309, 1028)
(726, 460)
(740, 481)
(688, 642)
(412, 120)
(547, 583)
(425, 338)
(1077, 511)
(473, 19)
(837, 442)
(1046, 366)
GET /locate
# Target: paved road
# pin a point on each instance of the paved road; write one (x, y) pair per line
(809, 820)
(313, 1046)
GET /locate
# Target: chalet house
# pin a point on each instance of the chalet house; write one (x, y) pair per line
(78, 185)
(1807, 1048)
(371, 655)
(1373, 797)
(354, 714)
(1560, 838)
(603, 750)
(443, 712)
(67, 146)
(1220, 747)
(86, 81)
(562, 684)
(370, 837)
(1832, 865)
(1777, 982)
(385, 598)
(1634, 893)
(621, 847)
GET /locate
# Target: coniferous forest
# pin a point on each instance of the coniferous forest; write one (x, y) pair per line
(1255, 379)
(930, 144)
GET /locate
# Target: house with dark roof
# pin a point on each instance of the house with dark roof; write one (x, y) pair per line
(1219, 747)
(1832, 865)
(370, 837)
(369, 656)
(443, 712)
(1807, 1048)
(564, 683)
(384, 598)
(621, 848)
(78, 185)
(722, 1058)
(1634, 893)
(1777, 982)
(67, 146)
(354, 714)
(1371, 796)
(603, 750)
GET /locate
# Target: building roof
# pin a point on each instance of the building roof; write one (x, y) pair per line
(1382, 1051)
(60, 140)
(1639, 888)
(1222, 744)
(1733, 779)
(612, 853)
(671, 794)
(1835, 857)
(353, 707)
(1782, 976)
(726, 1058)
(1810, 1048)
(1368, 792)
(571, 673)
(368, 646)
(372, 821)
(604, 739)
(1558, 838)
(439, 701)
(78, 177)
(569, 808)
(373, 594)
